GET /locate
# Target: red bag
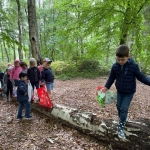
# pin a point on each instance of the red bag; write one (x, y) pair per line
(44, 97)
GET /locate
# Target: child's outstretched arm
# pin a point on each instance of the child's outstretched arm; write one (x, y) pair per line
(104, 89)
(111, 79)
(141, 77)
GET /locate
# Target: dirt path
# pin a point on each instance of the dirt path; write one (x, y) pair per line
(34, 135)
(78, 93)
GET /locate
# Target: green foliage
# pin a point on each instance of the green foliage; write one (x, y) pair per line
(88, 65)
(86, 69)
(3, 66)
(80, 30)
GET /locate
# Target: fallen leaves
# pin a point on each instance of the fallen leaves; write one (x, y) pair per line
(44, 133)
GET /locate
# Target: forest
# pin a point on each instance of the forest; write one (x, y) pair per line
(77, 35)
(80, 37)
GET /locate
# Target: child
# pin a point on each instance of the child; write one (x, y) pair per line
(125, 72)
(22, 97)
(33, 73)
(40, 66)
(24, 67)
(1, 77)
(47, 76)
(8, 84)
(9, 66)
(14, 75)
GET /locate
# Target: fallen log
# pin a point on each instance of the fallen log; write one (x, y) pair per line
(137, 132)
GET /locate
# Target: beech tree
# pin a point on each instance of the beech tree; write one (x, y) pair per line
(33, 30)
(19, 29)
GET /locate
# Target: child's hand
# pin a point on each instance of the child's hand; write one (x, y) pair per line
(25, 94)
(42, 83)
(104, 89)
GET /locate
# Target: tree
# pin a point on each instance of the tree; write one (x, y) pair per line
(33, 30)
(19, 28)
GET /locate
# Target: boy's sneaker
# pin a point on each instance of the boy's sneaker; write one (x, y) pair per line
(7, 100)
(121, 134)
(28, 118)
(19, 118)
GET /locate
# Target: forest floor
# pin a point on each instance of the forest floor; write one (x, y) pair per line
(44, 133)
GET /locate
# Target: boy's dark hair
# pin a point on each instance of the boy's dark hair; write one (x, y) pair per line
(22, 74)
(122, 51)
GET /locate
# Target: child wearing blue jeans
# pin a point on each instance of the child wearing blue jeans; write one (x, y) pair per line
(125, 72)
(22, 97)
(47, 76)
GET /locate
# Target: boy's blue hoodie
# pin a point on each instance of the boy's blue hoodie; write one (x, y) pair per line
(125, 77)
(21, 90)
(47, 75)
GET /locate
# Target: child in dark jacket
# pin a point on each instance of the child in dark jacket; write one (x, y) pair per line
(125, 72)
(47, 76)
(8, 84)
(22, 97)
(1, 77)
(33, 73)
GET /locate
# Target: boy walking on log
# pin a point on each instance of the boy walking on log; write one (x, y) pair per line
(125, 72)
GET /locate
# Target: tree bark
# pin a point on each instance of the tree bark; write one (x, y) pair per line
(20, 52)
(14, 51)
(137, 132)
(2, 51)
(6, 51)
(33, 30)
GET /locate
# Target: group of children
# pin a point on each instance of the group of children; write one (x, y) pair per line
(124, 72)
(17, 77)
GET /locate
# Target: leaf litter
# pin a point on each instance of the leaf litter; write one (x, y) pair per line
(45, 133)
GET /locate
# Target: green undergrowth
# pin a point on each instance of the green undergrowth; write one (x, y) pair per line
(84, 69)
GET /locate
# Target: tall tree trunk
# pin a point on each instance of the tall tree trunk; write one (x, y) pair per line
(54, 31)
(7, 55)
(40, 30)
(2, 51)
(14, 51)
(20, 52)
(33, 30)
(6, 51)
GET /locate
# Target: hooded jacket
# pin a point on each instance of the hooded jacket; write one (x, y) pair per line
(21, 90)
(15, 72)
(47, 75)
(33, 74)
(125, 77)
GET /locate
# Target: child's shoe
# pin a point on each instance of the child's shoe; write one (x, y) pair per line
(120, 130)
(28, 118)
(19, 118)
(7, 100)
(121, 134)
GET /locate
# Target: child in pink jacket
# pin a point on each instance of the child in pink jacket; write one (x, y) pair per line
(16, 70)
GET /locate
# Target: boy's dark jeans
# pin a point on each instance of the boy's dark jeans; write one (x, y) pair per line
(21, 106)
(123, 103)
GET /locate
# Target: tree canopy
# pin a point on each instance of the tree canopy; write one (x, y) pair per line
(73, 30)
